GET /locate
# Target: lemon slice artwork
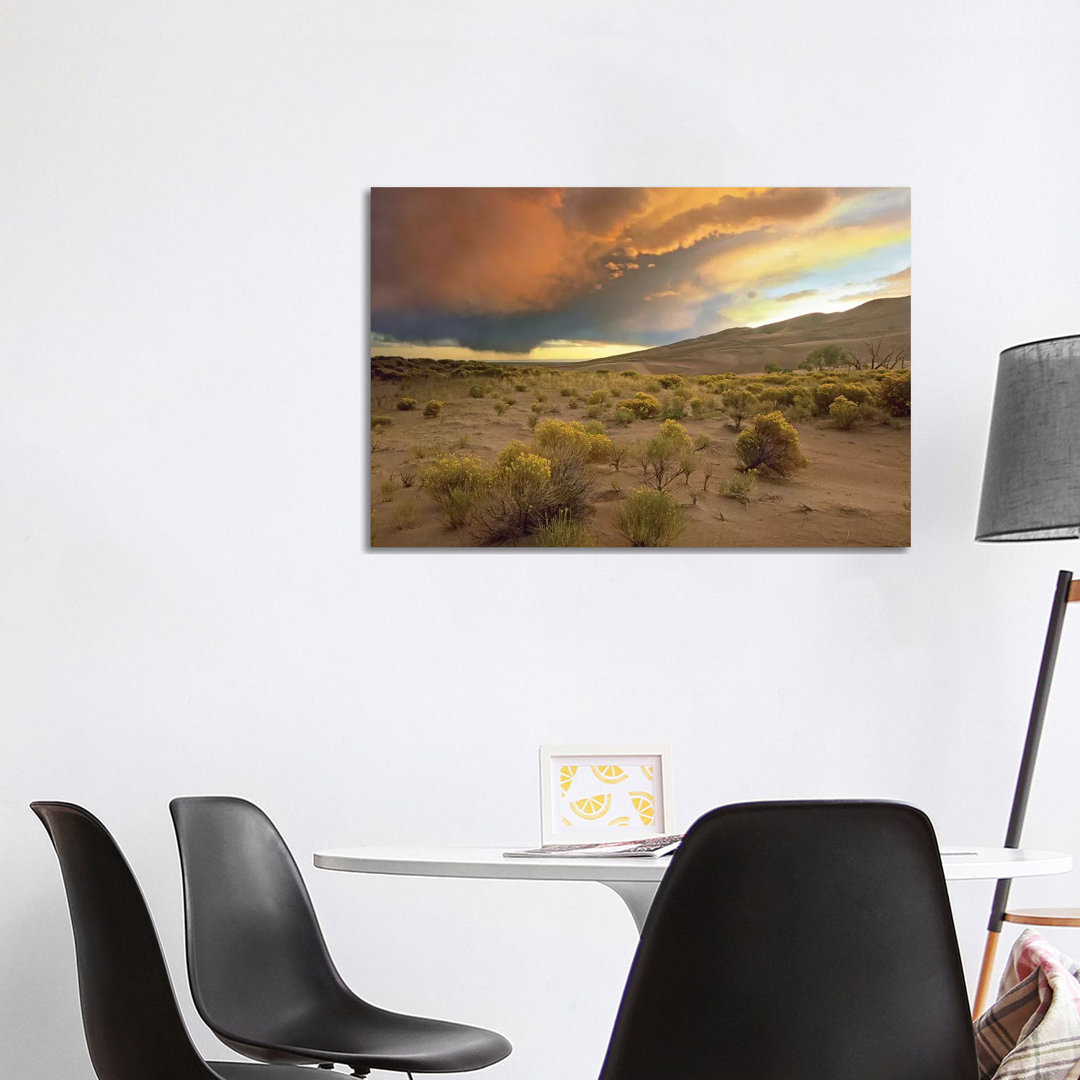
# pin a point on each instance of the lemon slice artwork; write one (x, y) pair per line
(643, 804)
(592, 808)
(647, 771)
(609, 774)
(566, 777)
(624, 820)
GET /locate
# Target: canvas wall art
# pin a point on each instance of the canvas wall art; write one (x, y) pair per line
(640, 367)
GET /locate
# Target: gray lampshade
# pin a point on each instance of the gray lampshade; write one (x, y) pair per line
(1031, 485)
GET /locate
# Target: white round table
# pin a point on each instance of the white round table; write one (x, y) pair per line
(636, 879)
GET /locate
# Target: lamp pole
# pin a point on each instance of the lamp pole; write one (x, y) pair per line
(1062, 595)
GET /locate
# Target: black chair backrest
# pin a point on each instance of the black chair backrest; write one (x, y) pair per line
(132, 1022)
(798, 941)
(255, 951)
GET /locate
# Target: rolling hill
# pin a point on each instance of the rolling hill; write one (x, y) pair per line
(746, 348)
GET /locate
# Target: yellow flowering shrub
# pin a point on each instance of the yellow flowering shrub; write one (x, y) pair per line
(771, 441)
(561, 438)
(455, 483)
(894, 393)
(643, 406)
(843, 412)
(673, 430)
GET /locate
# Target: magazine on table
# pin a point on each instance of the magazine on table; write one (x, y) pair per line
(649, 847)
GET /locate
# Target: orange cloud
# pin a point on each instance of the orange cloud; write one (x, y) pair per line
(733, 213)
(469, 250)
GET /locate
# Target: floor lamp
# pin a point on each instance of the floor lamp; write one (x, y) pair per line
(1031, 491)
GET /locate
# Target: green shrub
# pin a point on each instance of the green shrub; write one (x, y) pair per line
(387, 489)
(406, 403)
(378, 422)
(477, 391)
(643, 406)
(673, 410)
(597, 397)
(500, 407)
(738, 405)
(566, 391)
(843, 412)
(593, 412)
(628, 374)
(433, 408)
(664, 455)
(650, 518)
(669, 382)
(894, 393)
(624, 416)
(770, 441)
(697, 407)
(521, 388)
(827, 356)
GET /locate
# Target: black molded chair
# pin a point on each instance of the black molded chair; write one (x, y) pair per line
(259, 969)
(133, 1026)
(798, 941)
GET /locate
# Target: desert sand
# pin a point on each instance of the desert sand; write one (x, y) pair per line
(854, 492)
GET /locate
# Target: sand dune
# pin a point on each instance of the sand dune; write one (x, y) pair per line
(746, 349)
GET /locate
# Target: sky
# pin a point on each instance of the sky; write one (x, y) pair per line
(580, 273)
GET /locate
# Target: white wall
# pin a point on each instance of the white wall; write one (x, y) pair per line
(187, 605)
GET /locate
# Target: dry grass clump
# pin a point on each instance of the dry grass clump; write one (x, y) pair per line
(738, 487)
(404, 516)
(650, 519)
(562, 530)
(433, 408)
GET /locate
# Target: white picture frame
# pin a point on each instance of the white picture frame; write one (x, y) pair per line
(590, 794)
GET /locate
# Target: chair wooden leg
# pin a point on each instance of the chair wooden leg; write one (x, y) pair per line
(982, 992)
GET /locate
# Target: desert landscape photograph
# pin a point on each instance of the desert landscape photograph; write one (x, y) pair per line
(640, 367)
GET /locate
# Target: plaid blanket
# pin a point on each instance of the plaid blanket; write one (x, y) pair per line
(1032, 1031)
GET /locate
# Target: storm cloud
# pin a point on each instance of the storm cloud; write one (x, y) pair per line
(503, 270)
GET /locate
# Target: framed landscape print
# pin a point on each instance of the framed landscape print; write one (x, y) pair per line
(596, 793)
(640, 367)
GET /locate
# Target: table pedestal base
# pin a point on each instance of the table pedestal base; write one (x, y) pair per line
(637, 896)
